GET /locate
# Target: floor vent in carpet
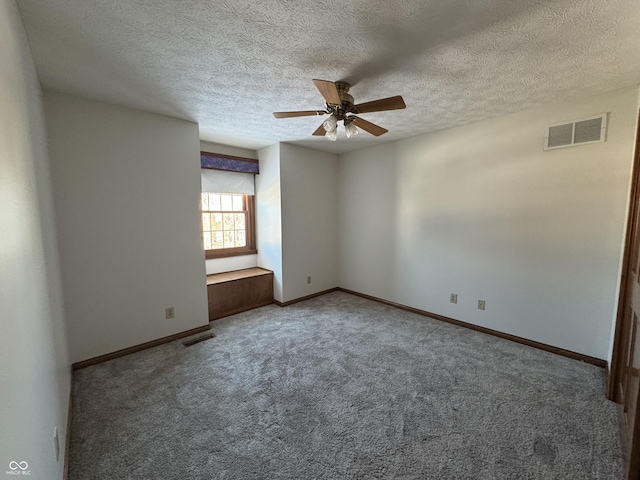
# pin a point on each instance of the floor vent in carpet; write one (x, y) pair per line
(193, 341)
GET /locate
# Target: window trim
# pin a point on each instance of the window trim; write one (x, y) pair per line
(250, 247)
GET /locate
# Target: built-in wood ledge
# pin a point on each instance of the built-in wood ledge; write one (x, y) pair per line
(237, 291)
(214, 278)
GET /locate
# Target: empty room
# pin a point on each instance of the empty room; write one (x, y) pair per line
(300, 240)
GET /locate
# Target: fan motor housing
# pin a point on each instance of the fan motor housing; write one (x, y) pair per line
(345, 98)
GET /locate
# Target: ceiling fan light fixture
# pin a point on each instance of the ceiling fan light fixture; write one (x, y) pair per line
(340, 106)
(350, 129)
(332, 135)
(330, 124)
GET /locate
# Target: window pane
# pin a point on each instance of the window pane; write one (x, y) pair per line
(216, 240)
(237, 203)
(224, 221)
(216, 221)
(227, 202)
(214, 202)
(229, 240)
(207, 240)
(239, 221)
(227, 221)
(241, 239)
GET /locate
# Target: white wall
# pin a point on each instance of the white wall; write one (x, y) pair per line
(227, 150)
(34, 364)
(127, 195)
(367, 218)
(269, 216)
(622, 246)
(227, 264)
(309, 183)
(482, 211)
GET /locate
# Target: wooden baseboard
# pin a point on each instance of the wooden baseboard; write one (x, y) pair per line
(239, 310)
(531, 343)
(67, 441)
(138, 348)
(302, 299)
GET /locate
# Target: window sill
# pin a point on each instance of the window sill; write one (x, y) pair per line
(213, 254)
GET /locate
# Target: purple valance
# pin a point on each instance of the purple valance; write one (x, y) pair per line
(228, 163)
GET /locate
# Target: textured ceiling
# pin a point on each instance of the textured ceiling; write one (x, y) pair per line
(228, 64)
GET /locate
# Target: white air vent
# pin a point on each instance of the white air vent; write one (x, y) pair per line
(578, 132)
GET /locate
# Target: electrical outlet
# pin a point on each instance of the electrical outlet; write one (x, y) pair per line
(170, 312)
(480, 304)
(453, 298)
(309, 280)
(56, 443)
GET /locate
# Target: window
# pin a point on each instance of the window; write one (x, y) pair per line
(228, 224)
(228, 206)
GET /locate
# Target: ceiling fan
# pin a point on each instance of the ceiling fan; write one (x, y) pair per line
(339, 105)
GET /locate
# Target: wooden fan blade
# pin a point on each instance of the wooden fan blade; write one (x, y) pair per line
(329, 91)
(372, 128)
(301, 113)
(320, 131)
(391, 103)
